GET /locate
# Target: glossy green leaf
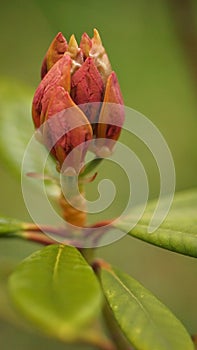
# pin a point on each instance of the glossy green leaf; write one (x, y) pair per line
(57, 290)
(10, 226)
(144, 320)
(11, 325)
(178, 232)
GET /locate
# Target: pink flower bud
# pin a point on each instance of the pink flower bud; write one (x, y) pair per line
(85, 45)
(59, 75)
(75, 76)
(112, 113)
(56, 50)
(87, 86)
(100, 57)
(68, 119)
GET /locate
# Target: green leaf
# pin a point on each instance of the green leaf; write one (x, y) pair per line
(11, 254)
(91, 166)
(6, 309)
(178, 232)
(10, 226)
(144, 320)
(57, 290)
(16, 129)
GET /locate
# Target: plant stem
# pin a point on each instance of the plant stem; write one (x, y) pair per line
(72, 202)
(194, 338)
(36, 237)
(104, 344)
(88, 254)
(99, 341)
(60, 231)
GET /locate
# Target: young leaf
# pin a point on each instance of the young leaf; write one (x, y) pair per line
(56, 290)
(178, 232)
(144, 320)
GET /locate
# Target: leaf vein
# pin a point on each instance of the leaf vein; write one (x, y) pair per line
(56, 265)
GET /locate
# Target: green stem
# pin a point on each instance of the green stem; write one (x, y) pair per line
(88, 254)
(34, 236)
(98, 340)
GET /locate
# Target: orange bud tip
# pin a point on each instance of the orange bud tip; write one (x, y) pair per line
(113, 93)
(60, 37)
(72, 45)
(96, 38)
(55, 51)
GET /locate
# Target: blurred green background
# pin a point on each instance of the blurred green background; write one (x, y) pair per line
(156, 78)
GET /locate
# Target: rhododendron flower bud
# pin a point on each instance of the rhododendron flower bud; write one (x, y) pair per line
(79, 77)
(55, 52)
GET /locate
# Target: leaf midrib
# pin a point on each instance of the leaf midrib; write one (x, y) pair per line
(144, 309)
(56, 265)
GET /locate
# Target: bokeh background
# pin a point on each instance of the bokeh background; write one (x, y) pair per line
(153, 48)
